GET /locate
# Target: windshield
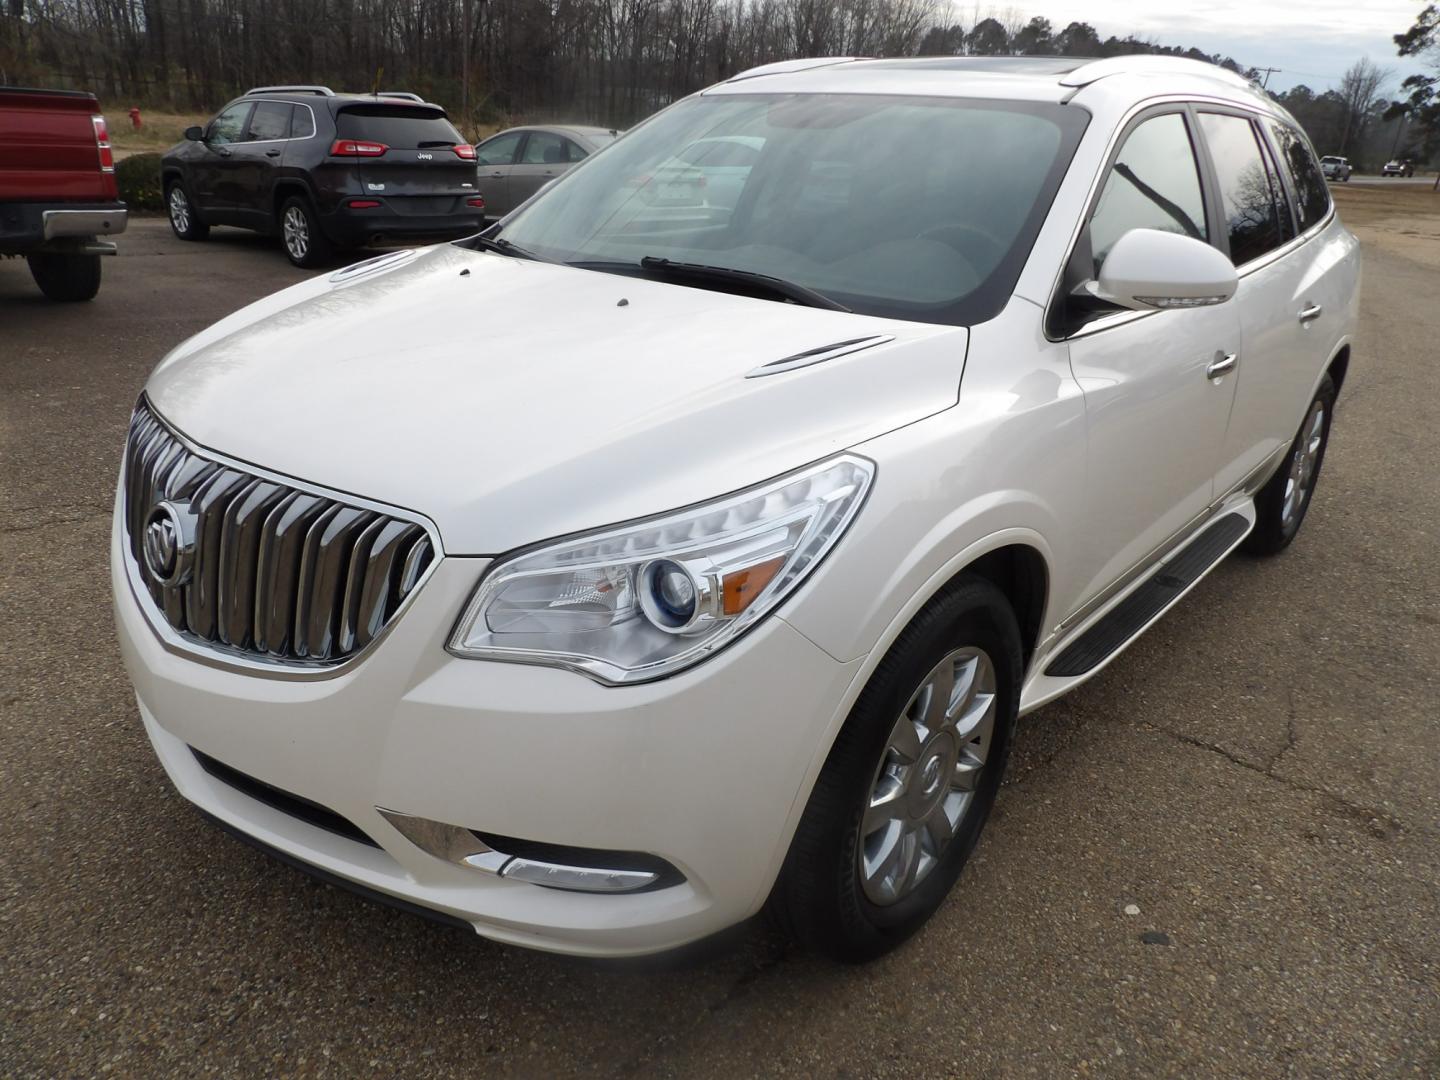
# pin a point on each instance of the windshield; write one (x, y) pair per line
(911, 207)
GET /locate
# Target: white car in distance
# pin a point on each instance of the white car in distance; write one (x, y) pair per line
(718, 574)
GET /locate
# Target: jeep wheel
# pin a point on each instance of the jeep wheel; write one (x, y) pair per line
(910, 781)
(65, 276)
(185, 223)
(305, 245)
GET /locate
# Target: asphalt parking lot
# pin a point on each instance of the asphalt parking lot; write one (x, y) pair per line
(1259, 778)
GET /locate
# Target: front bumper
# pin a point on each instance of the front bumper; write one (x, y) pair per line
(708, 770)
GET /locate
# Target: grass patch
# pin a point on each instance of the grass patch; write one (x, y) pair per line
(159, 130)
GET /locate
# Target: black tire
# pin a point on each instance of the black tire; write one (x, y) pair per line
(66, 277)
(184, 218)
(1276, 521)
(820, 900)
(304, 243)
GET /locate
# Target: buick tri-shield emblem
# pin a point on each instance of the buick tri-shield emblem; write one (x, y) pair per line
(169, 545)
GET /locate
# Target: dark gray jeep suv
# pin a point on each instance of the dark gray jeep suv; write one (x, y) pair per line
(324, 170)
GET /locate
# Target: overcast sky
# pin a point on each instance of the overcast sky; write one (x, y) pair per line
(1313, 41)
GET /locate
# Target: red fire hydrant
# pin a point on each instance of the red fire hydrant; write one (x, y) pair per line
(135, 117)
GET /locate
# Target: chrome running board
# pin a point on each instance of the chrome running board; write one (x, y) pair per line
(1079, 655)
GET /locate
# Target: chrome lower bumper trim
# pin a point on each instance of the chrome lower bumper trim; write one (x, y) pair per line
(463, 847)
(59, 223)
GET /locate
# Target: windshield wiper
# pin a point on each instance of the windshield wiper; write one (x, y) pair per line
(699, 272)
(505, 247)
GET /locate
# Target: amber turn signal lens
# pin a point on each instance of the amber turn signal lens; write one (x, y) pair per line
(742, 586)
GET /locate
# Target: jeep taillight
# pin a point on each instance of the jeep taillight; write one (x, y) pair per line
(465, 150)
(102, 143)
(355, 148)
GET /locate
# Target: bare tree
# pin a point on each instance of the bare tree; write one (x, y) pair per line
(1361, 87)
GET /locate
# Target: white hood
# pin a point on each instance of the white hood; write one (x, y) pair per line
(512, 401)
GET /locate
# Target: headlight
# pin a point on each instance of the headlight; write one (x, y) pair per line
(646, 600)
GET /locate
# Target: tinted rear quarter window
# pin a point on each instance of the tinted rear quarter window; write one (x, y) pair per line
(396, 125)
(1312, 197)
(302, 123)
(1249, 198)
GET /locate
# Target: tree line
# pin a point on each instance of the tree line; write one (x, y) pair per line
(612, 61)
(605, 61)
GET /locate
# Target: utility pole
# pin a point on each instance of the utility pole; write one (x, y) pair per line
(1265, 83)
(465, 71)
(1399, 130)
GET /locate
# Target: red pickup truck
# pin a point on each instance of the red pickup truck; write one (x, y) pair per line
(57, 188)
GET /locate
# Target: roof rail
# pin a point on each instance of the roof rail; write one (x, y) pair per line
(1147, 63)
(323, 91)
(402, 94)
(781, 67)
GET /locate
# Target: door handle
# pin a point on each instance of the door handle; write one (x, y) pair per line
(222, 151)
(497, 175)
(1310, 313)
(1221, 365)
(272, 153)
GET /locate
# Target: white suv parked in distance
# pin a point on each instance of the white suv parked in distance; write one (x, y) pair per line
(717, 574)
(1336, 168)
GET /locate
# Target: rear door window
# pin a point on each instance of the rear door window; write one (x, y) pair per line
(1251, 203)
(499, 150)
(405, 128)
(1312, 197)
(1153, 184)
(270, 120)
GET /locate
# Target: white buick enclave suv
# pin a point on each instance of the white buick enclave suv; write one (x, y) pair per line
(716, 570)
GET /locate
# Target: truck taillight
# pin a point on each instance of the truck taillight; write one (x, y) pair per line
(477, 201)
(355, 148)
(465, 151)
(102, 143)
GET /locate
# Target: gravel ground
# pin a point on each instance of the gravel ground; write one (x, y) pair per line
(1220, 857)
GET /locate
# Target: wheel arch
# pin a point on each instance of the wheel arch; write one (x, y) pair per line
(1339, 367)
(284, 189)
(1019, 571)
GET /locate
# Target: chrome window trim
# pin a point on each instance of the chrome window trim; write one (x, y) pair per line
(220, 656)
(314, 127)
(1117, 135)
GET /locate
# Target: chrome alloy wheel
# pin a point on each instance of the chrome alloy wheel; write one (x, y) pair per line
(296, 228)
(179, 209)
(926, 780)
(1303, 462)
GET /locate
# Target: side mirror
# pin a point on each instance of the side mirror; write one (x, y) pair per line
(1149, 269)
(195, 134)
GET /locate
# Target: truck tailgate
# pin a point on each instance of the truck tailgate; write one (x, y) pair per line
(49, 149)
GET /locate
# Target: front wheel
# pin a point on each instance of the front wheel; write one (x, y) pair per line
(1282, 503)
(910, 781)
(305, 245)
(66, 277)
(184, 222)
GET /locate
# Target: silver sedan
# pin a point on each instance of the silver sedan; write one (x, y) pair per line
(516, 163)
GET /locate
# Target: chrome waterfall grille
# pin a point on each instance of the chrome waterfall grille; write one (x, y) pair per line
(247, 565)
